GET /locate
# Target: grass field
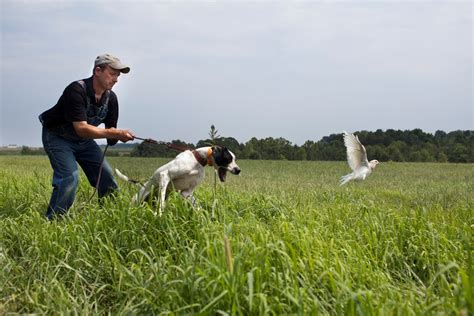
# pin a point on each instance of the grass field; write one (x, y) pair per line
(281, 238)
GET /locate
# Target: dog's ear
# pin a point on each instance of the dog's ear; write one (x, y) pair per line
(216, 149)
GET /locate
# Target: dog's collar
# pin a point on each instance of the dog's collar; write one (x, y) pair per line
(204, 161)
(209, 155)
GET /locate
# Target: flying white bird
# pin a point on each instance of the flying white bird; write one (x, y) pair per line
(357, 159)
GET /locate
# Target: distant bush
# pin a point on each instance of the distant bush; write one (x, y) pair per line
(25, 150)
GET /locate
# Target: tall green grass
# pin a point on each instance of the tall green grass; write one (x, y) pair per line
(281, 238)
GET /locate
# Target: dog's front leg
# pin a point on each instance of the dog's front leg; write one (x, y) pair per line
(146, 192)
(188, 194)
(164, 181)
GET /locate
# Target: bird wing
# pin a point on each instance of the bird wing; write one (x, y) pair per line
(356, 154)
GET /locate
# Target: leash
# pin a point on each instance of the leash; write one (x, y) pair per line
(96, 188)
(167, 144)
(147, 140)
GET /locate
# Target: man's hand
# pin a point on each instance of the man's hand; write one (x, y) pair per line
(90, 131)
(124, 135)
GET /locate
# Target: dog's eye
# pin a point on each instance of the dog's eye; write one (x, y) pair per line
(223, 158)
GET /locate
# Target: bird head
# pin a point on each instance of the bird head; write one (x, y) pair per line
(373, 163)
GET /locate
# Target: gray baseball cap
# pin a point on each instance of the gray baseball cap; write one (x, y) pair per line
(112, 61)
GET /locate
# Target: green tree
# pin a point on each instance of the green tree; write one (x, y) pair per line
(415, 156)
(458, 153)
(442, 157)
(425, 156)
(300, 153)
(394, 152)
(377, 152)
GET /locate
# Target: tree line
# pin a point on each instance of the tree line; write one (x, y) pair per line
(390, 145)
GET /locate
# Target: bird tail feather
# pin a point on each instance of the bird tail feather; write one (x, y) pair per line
(345, 179)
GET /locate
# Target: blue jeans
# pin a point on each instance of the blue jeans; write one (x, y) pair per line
(64, 155)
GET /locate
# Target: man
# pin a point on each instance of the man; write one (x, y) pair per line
(69, 130)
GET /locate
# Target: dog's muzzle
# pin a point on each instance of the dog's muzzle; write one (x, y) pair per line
(222, 171)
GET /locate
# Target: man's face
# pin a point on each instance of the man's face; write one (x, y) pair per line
(107, 77)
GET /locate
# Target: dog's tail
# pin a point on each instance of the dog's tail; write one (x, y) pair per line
(125, 178)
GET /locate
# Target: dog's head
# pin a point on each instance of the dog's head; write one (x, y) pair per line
(223, 161)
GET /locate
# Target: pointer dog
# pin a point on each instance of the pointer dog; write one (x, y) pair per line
(185, 173)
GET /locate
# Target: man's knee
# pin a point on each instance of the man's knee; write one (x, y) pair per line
(63, 195)
(66, 183)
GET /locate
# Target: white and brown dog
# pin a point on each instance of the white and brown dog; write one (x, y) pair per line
(185, 172)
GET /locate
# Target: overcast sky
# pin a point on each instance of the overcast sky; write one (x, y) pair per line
(297, 70)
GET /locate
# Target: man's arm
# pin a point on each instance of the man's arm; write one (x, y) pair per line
(85, 130)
